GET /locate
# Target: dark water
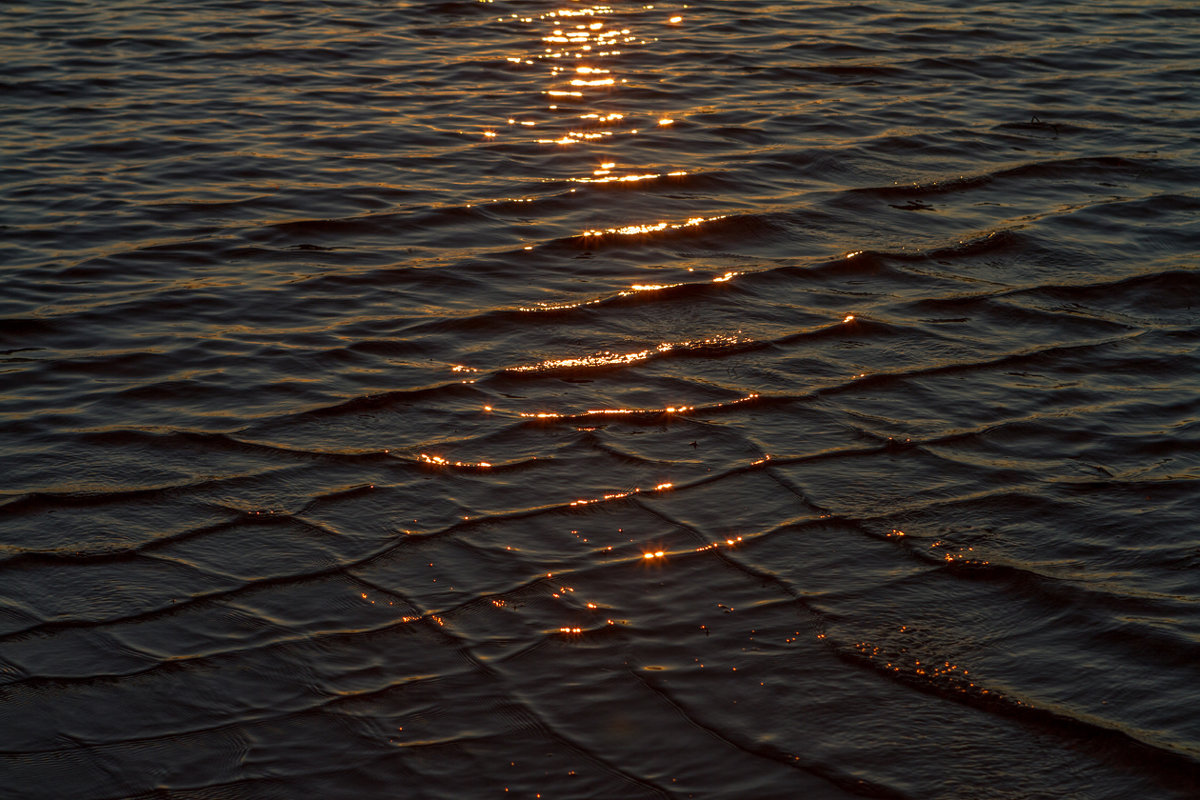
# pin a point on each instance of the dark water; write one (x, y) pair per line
(803, 402)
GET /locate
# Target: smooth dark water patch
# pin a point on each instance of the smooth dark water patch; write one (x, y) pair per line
(434, 399)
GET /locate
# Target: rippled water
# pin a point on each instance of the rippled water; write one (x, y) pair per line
(732, 400)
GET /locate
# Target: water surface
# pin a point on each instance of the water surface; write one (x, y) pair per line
(439, 399)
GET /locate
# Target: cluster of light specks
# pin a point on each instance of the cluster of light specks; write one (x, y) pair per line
(609, 412)
(563, 306)
(602, 119)
(953, 554)
(602, 359)
(634, 289)
(577, 33)
(730, 542)
(942, 673)
(662, 487)
(376, 599)
(650, 553)
(581, 49)
(568, 630)
(591, 610)
(607, 358)
(603, 175)
(439, 461)
(642, 412)
(652, 227)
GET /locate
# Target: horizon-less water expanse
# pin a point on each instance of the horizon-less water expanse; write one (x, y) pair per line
(421, 399)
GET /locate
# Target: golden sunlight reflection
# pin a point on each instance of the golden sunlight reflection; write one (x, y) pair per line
(439, 461)
(580, 49)
(575, 630)
(605, 359)
(959, 555)
(676, 409)
(662, 487)
(731, 542)
(604, 177)
(609, 359)
(941, 671)
(565, 306)
(647, 287)
(653, 227)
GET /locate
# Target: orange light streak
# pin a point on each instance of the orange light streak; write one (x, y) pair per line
(444, 462)
(629, 230)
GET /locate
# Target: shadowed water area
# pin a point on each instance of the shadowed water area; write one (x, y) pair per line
(529, 399)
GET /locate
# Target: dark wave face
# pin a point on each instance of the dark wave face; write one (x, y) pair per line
(434, 399)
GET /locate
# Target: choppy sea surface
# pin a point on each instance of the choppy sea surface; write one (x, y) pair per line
(524, 399)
